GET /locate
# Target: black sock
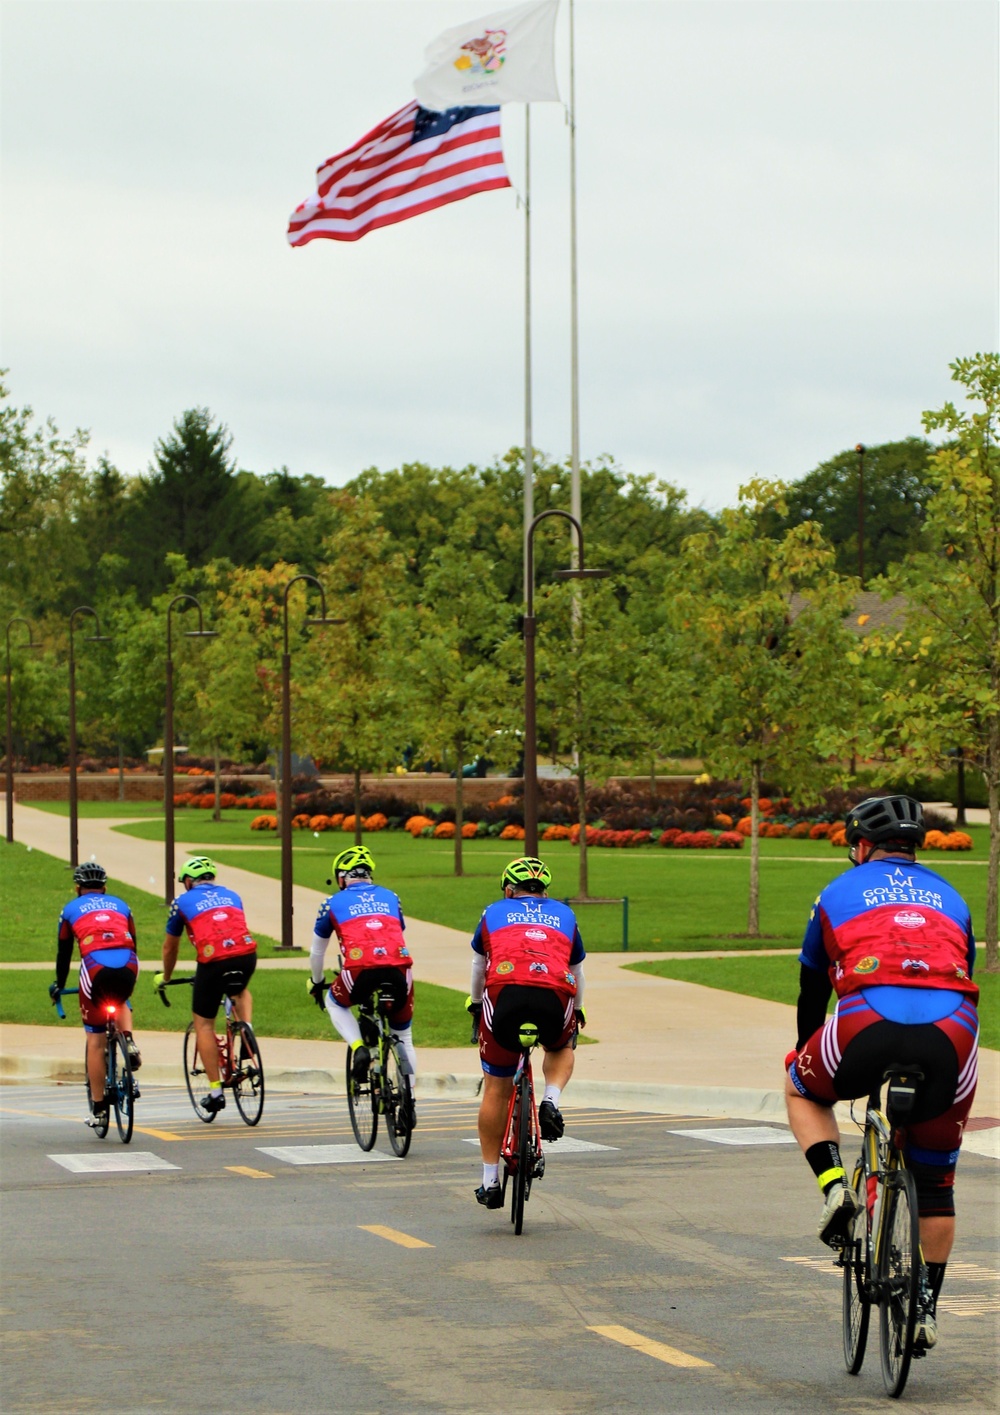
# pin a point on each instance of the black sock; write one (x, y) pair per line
(935, 1277)
(824, 1160)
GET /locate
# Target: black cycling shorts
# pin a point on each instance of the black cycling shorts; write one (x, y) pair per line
(220, 978)
(518, 1003)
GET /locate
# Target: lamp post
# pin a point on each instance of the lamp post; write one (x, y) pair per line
(860, 450)
(577, 572)
(168, 737)
(96, 638)
(287, 909)
(10, 731)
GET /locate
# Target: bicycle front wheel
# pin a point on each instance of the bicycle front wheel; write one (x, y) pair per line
(523, 1145)
(398, 1102)
(362, 1102)
(196, 1076)
(857, 1292)
(120, 1075)
(898, 1278)
(248, 1073)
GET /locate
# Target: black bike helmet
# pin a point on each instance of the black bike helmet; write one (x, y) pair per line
(887, 820)
(90, 875)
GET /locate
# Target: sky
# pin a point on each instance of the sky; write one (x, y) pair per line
(788, 217)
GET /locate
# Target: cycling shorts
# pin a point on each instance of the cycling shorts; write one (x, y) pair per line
(848, 1056)
(222, 977)
(507, 1008)
(350, 989)
(100, 986)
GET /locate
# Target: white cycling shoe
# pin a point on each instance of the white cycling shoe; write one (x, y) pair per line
(925, 1331)
(837, 1218)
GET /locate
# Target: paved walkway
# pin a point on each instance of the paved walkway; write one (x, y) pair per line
(650, 1029)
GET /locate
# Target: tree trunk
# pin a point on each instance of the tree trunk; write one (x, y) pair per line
(357, 805)
(277, 790)
(993, 872)
(652, 777)
(960, 788)
(217, 812)
(753, 911)
(459, 763)
(121, 772)
(581, 799)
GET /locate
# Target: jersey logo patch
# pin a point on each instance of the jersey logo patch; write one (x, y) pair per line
(866, 965)
(356, 953)
(505, 967)
(538, 968)
(915, 965)
(373, 923)
(571, 979)
(909, 919)
(381, 952)
(208, 950)
(536, 935)
(220, 917)
(102, 918)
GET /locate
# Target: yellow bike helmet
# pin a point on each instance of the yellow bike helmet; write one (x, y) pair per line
(525, 871)
(355, 857)
(198, 867)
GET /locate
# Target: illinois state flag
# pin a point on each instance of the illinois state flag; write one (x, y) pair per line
(506, 57)
(413, 162)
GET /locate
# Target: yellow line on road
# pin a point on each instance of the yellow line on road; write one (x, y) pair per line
(250, 1173)
(394, 1236)
(158, 1134)
(648, 1347)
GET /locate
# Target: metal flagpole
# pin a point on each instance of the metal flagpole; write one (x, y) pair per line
(529, 451)
(575, 504)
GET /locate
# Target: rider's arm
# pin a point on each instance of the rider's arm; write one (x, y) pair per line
(171, 944)
(64, 954)
(478, 977)
(317, 957)
(815, 988)
(578, 1000)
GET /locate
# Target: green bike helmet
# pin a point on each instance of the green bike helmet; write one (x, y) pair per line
(526, 873)
(356, 858)
(198, 867)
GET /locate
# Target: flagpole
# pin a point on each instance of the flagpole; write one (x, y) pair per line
(529, 451)
(575, 502)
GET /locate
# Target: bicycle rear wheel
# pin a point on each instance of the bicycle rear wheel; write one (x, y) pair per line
(398, 1102)
(523, 1138)
(362, 1102)
(857, 1293)
(248, 1073)
(120, 1072)
(898, 1278)
(196, 1076)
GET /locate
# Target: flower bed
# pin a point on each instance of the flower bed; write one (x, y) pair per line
(264, 823)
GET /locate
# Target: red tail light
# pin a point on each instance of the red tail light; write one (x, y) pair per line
(111, 1009)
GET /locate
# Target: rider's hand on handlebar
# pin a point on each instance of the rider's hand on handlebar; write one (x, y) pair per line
(316, 991)
(159, 982)
(54, 991)
(581, 1019)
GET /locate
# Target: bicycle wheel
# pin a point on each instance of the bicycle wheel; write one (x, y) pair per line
(195, 1076)
(362, 1102)
(857, 1294)
(248, 1073)
(398, 1102)
(898, 1278)
(521, 1179)
(120, 1076)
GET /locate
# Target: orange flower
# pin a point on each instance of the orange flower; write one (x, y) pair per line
(469, 830)
(319, 823)
(444, 831)
(723, 822)
(416, 824)
(512, 832)
(374, 822)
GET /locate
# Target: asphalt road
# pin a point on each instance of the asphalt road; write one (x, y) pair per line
(659, 1270)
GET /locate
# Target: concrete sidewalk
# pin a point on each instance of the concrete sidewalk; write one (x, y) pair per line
(665, 1044)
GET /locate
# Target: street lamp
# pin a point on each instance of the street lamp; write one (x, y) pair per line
(95, 638)
(578, 572)
(287, 942)
(860, 450)
(10, 733)
(168, 737)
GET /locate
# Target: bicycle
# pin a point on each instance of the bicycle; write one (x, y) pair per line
(882, 1260)
(387, 1088)
(521, 1148)
(243, 1074)
(120, 1090)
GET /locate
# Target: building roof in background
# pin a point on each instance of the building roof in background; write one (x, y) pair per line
(869, 612)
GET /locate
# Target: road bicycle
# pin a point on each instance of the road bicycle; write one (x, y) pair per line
(120, 1089)
(521, 1148)
(882, 1262)
(387, 1088)
(240, 1067)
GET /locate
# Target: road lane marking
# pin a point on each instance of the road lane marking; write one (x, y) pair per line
(567, 1145)
(405, 1240)
(158, 1134)
(323, 1154)
(250, 1173)
(648, 1347)
(79, 1119)
(741, 1135)
(957, 1304)
(113, 1163)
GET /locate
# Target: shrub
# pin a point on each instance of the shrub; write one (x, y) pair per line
(800, 831)
(319, 822)
(838, 835)
(501, 802)
(819, 831)
(723, 821)
(702, 840)
(669, 836)
(347, 823)
(206, 802)
(227, 800)
(336, 821)
(744, 826)
(417, 824)
(557, 832)
(264, 823)
(682, 840)
(515, 832)
(300, 822)
(957, 840)
(444, 830)
(729, 840)
(935, 840)
(470, 829)
(374, 822)
(774, 831)
(183, 798)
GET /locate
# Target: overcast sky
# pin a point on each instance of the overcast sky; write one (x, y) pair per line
(787, 214)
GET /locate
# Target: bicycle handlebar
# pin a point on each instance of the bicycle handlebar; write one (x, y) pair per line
(57, 997)
(174, 982)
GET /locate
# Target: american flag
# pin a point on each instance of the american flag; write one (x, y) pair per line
(414, 161)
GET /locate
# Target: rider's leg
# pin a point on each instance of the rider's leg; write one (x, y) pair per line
(557, 1068)
(243, 1006)
(493, 1116)
(97, 1065)
(208, 1047)
(937, 1235)
(344, 1021)
(404, 1036)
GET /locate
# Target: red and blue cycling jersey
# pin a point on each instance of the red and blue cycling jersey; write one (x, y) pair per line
(215, 922)
(897, 933)
(530, 940)
(368, 921)
(103, 929)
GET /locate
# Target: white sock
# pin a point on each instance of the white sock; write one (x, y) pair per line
(404, 1036)
(552, 1093)
(491, 1175)
(344, 1020)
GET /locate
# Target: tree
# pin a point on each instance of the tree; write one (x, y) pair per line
(945, 692)
(763, 703)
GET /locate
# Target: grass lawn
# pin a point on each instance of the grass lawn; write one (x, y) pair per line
(98, 810)
(777, 980)
(282, 1007)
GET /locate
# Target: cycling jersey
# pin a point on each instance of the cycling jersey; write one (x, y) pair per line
(215, 922)
(369, 923)
(532, 941)
(99, 924)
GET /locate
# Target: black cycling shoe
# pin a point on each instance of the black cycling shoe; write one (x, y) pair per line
(214, 1102)
(491, 1198)
(550, 1121)
(360, 1063)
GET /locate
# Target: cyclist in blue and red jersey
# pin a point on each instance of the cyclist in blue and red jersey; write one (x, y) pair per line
(894, 941)
(368, 921)
(527, 966)
(102, 927)
(215, 923)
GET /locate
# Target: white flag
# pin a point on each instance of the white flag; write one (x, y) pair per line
(506, 57)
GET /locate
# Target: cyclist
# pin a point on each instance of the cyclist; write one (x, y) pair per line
(527, 966)
(227, 956)
(368, 921)
(895, 941)
(103, 928)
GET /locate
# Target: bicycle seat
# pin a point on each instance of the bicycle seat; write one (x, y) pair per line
(904, 1083)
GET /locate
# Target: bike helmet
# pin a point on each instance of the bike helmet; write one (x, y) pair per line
(886, 820)
(355, 860)
(526, 873)
(90, 875)
(198, 867)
